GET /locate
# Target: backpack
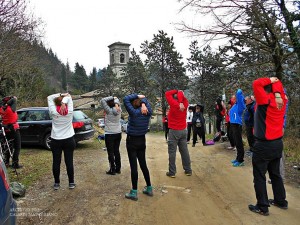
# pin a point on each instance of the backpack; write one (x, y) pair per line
(17, 189)
(217, 137)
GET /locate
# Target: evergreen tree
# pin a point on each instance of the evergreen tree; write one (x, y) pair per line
(108, 85)
(64, 78)
(164, 65)
(207, 81)
(93, 79)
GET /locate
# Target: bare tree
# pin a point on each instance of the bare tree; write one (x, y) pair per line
(18, 29)
(248, 23)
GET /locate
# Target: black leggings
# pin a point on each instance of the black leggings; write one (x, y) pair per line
(16, 137)
(112, 142)
(68, 146)
(136, 149)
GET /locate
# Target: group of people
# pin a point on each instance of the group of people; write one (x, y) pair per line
(196, 123)
(264, 120)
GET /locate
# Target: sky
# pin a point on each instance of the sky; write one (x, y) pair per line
(80, 31)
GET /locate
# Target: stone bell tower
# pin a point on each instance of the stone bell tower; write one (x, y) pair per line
(118, 56)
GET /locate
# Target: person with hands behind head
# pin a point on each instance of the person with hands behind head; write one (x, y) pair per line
(177, 131)
(140, 112)
(236, 122)
(268, 146)
(113, 133)
(62, 136)
(8, 112)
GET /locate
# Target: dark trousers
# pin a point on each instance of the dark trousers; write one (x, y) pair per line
(218, 123)
(250, 137)
(200, 132)
(112, 142)
(14, 135)
(67, 146)
(266, 157)
(189, 130)
(136, 150)
(166, 128)
(238, 140)
(230, 135)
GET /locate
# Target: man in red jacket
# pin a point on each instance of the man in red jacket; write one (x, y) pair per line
(9, 120)
(177, 131)
(268, 147)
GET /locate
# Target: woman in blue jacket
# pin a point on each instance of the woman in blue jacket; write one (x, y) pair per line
(236, 122)
(140, 112)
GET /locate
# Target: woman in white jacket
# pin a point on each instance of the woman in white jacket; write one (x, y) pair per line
(62, 136)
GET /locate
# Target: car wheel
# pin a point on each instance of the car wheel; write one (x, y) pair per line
(47, 140)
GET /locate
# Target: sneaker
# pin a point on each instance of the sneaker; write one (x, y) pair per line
(187, 142)
(238, 164)
(170, 175)
(193, 145)
(72, 185)
(256, 209)
(234, 149)
(111, 172)
(233, 161)
(148, 191)
(56, 186)
(16, 166)
(188, 173)
(132, 195)
(272, 202)
(118, 171)
(229, 148)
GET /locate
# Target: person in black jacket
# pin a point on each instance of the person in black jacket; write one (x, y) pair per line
(198, 122)
(249, 122)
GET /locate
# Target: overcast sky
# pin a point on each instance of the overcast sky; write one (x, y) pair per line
(80, 31)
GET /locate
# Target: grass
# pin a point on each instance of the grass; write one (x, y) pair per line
(37, 162)
(292, 149)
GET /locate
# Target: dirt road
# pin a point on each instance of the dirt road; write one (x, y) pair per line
(215, 194)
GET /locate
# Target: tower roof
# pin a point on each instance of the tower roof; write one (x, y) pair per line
(119, 43)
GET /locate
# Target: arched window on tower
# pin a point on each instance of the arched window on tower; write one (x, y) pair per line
(122, 58)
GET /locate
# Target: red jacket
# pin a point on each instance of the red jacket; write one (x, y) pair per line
(268, 120)
(176, 118)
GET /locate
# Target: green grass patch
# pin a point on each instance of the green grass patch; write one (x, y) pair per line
(292, 149)
(36, 163)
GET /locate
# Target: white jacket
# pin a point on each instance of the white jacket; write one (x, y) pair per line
(62, 127)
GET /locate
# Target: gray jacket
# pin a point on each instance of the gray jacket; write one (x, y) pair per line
(112, 116)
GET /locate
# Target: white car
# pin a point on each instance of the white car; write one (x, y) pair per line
(124, 127)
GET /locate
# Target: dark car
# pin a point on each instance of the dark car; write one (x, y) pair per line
(7, 203)
(35, 126)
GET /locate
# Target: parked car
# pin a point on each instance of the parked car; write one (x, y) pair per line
(101, 123)
(35, 126)
(124, 126)
(7, 203)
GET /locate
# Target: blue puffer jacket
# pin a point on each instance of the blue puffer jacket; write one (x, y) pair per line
(137, 122)
(249, 114)
(236, 111)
